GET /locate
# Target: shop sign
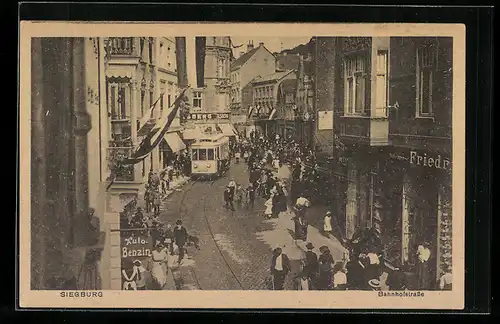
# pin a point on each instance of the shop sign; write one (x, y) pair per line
(430, 160)
(135, 247)
(424, 159)
(207, 116)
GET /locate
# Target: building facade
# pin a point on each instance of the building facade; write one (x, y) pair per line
(250, 64)
(68, 174)
(419, 163)
(265, 101)
(361, 126)
(217, 87)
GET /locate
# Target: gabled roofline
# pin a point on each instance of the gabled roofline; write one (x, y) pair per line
(234, 68)
(277, 80)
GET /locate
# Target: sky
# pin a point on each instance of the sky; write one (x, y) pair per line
(273, 44)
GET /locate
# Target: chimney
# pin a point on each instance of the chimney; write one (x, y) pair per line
(261, 44)
(249, 46)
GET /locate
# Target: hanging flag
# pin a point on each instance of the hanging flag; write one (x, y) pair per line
(250, 111)
(155, 136)
(146, 118)
(273, 112)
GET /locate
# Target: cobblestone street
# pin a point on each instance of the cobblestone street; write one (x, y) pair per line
(236, 246)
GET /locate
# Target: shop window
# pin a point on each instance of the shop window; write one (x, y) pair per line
(426, 60)
(355, 84)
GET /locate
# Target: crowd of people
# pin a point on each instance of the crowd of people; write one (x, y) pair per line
(166, 240)
(159, 182)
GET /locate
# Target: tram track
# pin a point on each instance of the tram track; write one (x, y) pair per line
(183, 213)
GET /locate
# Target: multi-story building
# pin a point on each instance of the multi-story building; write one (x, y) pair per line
(210, 99)
(286, 102)
(360, 124)
(254, 62)
(217, 87)
(417, 171)
(392, 140)
(265, 101)
(169, 90)
(304, 109)
(141, 81)
(68, 177)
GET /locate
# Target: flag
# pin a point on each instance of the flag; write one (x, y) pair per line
(250, 111)
(154, 137)
(273, 112)
(147, 116)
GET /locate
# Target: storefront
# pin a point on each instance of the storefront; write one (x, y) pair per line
(418, 207)
(171, 146)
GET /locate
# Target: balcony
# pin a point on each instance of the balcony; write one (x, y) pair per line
(121, 46)
(122, 173)
(373, 131)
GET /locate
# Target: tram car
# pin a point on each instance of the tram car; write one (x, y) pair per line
(210, 156)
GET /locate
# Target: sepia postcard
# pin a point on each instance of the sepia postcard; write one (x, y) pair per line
(226, 165)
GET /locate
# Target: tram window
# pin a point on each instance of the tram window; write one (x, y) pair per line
(195, 155)
(210, 154)
(202, 155)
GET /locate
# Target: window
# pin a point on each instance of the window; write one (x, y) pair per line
(197, 99)
(163, 88)
(211, 154)
(113, 107)
(170, 92)
(142, 46)
(355, 82)
(143, 94)
(425, 66)
(382, 84)
(194, 155)
(202, 154)
(150, 50)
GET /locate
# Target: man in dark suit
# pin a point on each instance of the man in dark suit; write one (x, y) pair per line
(311, 268)
(280, 267)
(180, 236)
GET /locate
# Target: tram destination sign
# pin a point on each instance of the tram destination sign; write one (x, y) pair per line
(208, 116)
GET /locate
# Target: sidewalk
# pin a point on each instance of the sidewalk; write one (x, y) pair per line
(175, 185)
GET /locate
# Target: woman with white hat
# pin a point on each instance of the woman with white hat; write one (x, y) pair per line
(327, 223)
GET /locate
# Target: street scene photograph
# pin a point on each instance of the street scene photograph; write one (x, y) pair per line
(241, 163)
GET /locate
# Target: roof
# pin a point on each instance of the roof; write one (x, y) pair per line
(273, 76)
(243, 59)
(289, 85)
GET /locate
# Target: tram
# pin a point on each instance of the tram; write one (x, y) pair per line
(210, 156)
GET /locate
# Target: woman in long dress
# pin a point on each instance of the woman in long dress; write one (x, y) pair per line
(159, 268)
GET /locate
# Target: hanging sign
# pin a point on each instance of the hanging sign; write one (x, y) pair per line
(208, 116)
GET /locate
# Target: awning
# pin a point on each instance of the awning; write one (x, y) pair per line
(191, 133)
(227, 130)
(175, 142)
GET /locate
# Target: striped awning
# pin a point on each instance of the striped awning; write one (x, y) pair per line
(174, 142)
(228, 130)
